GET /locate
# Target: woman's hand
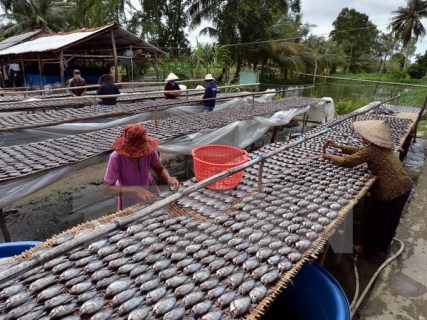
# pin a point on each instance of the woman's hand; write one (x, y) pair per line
(144, 194)
(326, 155)
(328, 143)
(174, 183)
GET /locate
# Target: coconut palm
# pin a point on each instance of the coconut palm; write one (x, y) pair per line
(406, 23)
(50, 15)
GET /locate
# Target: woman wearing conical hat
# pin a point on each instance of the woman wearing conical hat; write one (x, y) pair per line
(172, 86)
(390, 190)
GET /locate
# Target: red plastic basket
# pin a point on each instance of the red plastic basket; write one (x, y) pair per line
(212, 159)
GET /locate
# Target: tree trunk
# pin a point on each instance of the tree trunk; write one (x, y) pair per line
(406, 57)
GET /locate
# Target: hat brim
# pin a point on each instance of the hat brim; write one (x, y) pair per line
(140, 150)
(364, 129)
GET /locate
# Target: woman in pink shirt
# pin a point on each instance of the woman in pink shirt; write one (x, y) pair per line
(128, 170)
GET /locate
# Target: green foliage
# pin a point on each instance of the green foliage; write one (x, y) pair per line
(51, 15)
(356, 34)
(181, 68)
(406, 23)
(416, 71)
(347, 105)
(398, 75)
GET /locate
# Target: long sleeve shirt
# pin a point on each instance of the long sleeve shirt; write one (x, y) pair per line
(392, 181)
(210, 92)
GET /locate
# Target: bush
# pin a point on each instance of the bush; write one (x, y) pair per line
(347, 105)
(416, 71)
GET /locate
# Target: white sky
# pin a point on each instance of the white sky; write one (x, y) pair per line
(322, 13)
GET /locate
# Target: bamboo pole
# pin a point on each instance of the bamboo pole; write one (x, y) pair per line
(145, 93)
(260, 171)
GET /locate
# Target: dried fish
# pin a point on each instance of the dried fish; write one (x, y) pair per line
(175, 314)
(184, 289)
(216, 292)
(62, 311)
(213, 315)
(130, 305)
(163, 306)
(91, 306)
(140, 313)
(122, 297)
(102, 314)
(17, 299)
(246, 286)
(226, 298)
(193, 298)
(175, 281)
(149, 285)
(240, 306)
(155, 295)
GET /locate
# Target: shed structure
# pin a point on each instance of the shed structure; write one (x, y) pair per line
(109, 45)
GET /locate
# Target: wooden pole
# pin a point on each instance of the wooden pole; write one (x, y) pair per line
(116, 70)
(260, 171)
(61, 67)
(23, 72)
(40, 73)
(3, 227)
(156, 117)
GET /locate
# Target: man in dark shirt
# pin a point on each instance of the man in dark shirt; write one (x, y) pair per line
(107, 87)
(77, 81)
(210, 93)
(171, 85)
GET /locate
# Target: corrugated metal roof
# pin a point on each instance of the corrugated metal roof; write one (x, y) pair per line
(49, 43)
(62, 40)
(14, 40)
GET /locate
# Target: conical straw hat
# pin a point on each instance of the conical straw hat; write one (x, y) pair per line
(171, 76)
(375, 131)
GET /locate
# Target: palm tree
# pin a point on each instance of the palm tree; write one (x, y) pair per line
(406, 23)
(50, 15)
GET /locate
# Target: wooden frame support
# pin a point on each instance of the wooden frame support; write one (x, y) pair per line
(116, 70)
(3, 227)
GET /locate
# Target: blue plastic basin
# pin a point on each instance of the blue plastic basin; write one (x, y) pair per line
(314, 295)
(10, 249)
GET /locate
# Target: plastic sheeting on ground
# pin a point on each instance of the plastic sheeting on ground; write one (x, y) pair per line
(239, 134)
(65, 129)
(17, 189)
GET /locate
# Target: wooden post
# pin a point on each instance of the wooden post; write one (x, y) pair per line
(156, 115)
(61, 67)
(253, 100)
(3, 227)
(260, 170)
(23, 72)
(3, 84)
(273, 136)
(131, 68)
(116, 70)
(40, 72)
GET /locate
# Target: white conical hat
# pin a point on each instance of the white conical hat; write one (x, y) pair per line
(171, 76)
(209, 77)
(375, 131)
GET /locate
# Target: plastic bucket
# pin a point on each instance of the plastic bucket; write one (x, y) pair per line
(10, 249)
(213, 159)
(314, 295)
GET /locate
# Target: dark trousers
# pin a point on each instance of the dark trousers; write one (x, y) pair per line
(380, 223)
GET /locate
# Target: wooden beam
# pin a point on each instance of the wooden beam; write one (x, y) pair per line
(23, 71)
(116, 70)
(40, 73)
(61, 67)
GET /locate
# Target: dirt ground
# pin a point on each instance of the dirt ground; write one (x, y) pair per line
(80, 197)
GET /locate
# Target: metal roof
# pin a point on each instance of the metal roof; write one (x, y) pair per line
(63, 40)
(14, 40)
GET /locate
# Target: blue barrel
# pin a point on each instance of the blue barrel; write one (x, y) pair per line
(314, 295)
(10, 249)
